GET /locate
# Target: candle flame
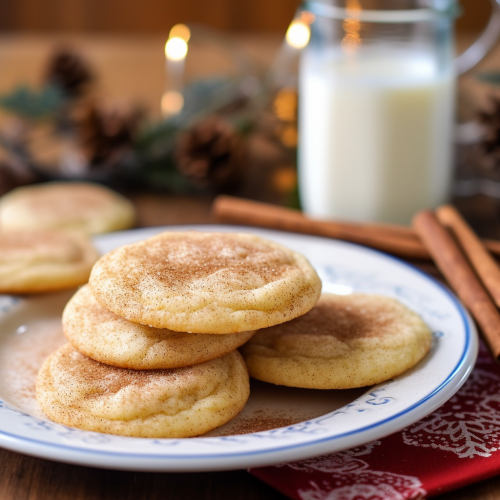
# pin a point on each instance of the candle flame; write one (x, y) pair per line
(176, 48)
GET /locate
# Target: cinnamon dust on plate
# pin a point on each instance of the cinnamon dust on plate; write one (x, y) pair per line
(258, 424)
(23, 353)
(21, 356)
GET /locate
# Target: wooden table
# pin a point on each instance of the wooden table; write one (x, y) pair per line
(134, 69)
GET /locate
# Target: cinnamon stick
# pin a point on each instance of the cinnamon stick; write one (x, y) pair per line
(391, 238)
(485, 266)
(456, 269)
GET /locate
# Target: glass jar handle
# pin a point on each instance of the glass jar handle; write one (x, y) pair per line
(467, 60)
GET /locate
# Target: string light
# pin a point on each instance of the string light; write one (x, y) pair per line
(176, 49)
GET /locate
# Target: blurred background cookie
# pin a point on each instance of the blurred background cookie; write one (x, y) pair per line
(77, 391)
(108, 338)
(345, 341)
(44, 261)
(89, 208)
(201, 282)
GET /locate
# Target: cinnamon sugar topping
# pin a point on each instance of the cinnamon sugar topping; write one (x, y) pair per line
(205, 282)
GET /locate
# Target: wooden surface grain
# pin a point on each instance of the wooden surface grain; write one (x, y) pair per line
(127, 16)
(28, 478)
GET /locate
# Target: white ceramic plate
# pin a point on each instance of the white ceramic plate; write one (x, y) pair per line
(323, 421)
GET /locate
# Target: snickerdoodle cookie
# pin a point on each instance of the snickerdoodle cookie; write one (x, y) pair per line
(108, 338)
(345, 341)
(77, 391)
(201, 282)
(44, 261)
(81, 206)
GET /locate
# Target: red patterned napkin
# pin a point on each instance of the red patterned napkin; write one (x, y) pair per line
(458, 444)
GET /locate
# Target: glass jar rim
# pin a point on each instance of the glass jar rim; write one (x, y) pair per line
(380, 16)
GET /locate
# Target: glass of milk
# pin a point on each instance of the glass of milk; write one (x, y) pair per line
(376, 112)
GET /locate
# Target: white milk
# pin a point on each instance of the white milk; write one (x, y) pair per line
(375, 137)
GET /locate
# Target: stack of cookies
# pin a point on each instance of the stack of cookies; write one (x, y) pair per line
(153, 336)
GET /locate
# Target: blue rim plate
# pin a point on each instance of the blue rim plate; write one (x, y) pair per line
(370, 415)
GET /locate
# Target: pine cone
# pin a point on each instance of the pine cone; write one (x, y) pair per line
(491, 142)
(210, 153)
(105, 134)
(68, 71)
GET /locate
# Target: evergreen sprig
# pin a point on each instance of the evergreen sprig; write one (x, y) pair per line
(32, 104)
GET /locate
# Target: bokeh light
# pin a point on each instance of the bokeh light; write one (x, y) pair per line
(352, 27)
(289, 135)
(307, 17)
(176, 49)
(298, 34)
(172, 103)
(285, 104)
(180, 31)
